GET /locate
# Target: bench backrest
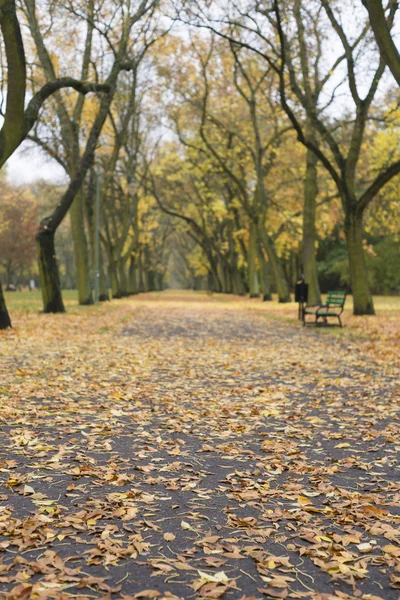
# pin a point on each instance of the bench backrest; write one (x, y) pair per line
(336, 299)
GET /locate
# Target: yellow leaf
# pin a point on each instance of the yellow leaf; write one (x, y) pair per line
(219, 577)
(303, 500)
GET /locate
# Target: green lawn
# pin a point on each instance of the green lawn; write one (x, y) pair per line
(32, 301)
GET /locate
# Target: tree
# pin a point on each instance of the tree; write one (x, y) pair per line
(238, 136)
(64, 143)
(381, 26)
(124, 59)
(122, 177)
(340, 146)
(268, 30)
(18, 119)
(18, 213)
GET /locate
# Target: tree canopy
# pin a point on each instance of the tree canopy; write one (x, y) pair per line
(230, 146)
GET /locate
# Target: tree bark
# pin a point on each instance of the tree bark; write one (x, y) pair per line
(362, 298)
(264, 276)
(5, 321)
(103, 296)
(123, 280)
(8, 274)
(81, 251)
(12, 129)
(237, 285)
(115, 291)
(49, 275)
(277, 271)
(223, 275)
(383, 36)
(132, 276)
(254, 289)
(309, 231)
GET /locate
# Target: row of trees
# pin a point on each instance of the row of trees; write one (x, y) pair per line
(231, 136)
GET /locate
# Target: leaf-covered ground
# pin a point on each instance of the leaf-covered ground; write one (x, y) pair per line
(183, 447)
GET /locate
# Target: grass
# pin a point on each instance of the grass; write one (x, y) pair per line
(31, 302)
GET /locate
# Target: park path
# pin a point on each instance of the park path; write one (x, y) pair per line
(178, 448)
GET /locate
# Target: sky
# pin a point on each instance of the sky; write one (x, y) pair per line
(29, 164)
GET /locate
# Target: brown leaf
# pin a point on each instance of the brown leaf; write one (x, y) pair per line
(213, 590)
(273, 593)
(148, 594)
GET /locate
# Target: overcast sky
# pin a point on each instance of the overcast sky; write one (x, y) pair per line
(29, 164)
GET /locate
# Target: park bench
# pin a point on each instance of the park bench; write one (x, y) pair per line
(333, 308)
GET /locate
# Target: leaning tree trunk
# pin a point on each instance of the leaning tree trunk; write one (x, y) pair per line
(309, 231)
(362, 298)
(49, 275)
(81, 252)
(5, 321)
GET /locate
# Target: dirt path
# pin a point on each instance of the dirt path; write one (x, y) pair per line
(187, 449)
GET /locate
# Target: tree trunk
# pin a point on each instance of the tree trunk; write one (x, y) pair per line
(140, 273)
(159, 282)
(383, 37)
(5, 321)
(254, 289)
(8, 274)
(210, 282)
(123, 280)
(49, 275)
(277, 271)
(81, 251)
(115, 289)
(103, 289)
(223, 275)
(145, 269)
(132, 277)
(214, 282)
(238, 285)
(264, 276)
(150, 280)
(362, 297)
(309, 233)
(90, 200)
